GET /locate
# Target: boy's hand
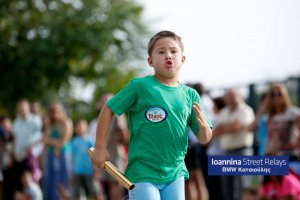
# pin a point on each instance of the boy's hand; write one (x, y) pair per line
(205, 133)
(201, 121)
(98, 156)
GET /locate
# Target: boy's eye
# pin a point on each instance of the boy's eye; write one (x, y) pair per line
(161, 52)
(174, 51)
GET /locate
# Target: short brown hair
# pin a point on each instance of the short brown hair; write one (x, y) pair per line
(160, 35)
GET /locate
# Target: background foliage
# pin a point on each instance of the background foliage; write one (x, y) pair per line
(46, 43)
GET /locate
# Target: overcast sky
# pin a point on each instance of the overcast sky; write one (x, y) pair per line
(232, 42)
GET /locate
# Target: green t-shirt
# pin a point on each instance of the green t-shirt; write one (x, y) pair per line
(158, 118)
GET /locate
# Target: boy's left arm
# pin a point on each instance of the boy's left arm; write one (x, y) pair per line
(205, 132)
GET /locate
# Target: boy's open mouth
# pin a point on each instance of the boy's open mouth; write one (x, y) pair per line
(169, 62)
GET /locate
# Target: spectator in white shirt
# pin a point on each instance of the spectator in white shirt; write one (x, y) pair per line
(26, 131)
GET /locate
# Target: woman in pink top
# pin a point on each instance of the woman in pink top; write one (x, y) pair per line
(281, 187)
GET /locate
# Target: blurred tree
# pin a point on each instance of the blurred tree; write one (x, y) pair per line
(44, 43)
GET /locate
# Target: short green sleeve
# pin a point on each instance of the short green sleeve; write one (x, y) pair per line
(124, 100)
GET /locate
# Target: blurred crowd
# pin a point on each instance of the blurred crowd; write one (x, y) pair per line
(274, 129)
(45, 156)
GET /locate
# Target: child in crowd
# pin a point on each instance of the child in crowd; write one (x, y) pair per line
(31, 191)
(82, 166)
(160, 110)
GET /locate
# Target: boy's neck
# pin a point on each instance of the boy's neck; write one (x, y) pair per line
(172, 82)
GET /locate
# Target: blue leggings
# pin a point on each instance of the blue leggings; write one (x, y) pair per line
(149, 191)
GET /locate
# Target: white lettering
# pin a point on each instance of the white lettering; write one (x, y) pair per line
(226, 162)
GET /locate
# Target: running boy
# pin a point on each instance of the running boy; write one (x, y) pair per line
(160, 109)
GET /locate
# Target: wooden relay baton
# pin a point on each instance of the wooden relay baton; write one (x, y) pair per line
(114, 172)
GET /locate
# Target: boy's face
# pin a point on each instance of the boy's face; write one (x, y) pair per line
(81, 128)
(166, 58)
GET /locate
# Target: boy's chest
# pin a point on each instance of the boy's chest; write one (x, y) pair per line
(159, 105)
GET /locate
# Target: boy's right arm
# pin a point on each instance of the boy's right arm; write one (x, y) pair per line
(100, 154)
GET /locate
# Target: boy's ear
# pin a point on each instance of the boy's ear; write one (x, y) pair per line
(150, 61)
(183, 59)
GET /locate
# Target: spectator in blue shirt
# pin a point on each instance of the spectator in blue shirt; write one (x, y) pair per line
(83, 169)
